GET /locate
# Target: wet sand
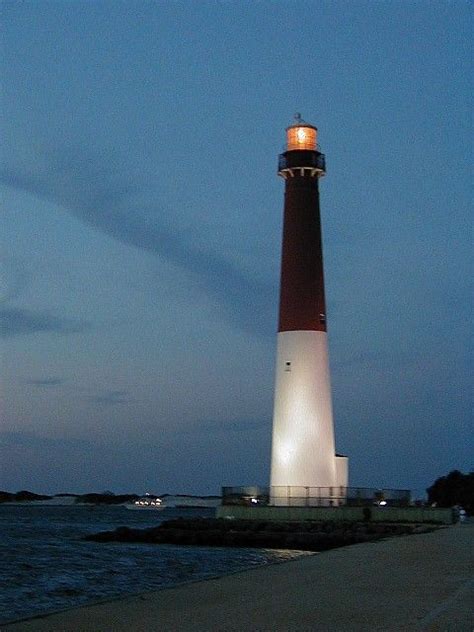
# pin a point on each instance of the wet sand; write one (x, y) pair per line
(417, 582)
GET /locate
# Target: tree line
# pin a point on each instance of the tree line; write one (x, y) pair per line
(454, 489)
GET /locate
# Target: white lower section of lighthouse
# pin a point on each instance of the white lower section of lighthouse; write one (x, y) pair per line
(303, 453)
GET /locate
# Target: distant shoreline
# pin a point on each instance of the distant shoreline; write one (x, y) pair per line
(25, 498)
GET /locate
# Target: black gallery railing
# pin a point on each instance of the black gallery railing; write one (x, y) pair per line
(298, 159)
(291, 496)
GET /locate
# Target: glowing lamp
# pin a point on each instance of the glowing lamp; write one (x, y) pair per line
(301, 136)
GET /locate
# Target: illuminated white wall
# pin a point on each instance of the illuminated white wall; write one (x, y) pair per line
(303, 435)
(342, 471)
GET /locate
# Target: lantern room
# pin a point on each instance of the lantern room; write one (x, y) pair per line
(301, 135)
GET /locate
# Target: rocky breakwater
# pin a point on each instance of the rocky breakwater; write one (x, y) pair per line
(306, 536)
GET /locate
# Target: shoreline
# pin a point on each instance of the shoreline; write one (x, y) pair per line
(173, 501)
(145, 593)
(421, 582)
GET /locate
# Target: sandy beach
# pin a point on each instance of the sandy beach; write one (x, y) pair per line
(417, 582)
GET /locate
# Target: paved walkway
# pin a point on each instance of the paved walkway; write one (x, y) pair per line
(415, 583)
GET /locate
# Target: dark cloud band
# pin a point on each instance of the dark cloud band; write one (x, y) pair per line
(17, 322)
(99, 197)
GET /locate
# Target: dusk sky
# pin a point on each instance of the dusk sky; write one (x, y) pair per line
(141, 234)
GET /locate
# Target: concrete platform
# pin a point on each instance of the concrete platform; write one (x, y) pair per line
(418, 582)
(337, 514)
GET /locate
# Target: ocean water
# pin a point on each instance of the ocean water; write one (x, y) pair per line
(45, 565)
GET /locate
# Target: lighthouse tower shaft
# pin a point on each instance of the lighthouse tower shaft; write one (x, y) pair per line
(303, 452)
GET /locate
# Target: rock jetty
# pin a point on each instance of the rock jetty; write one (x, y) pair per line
(307, 536)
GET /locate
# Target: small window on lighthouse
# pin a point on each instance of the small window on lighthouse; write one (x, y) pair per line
(287, 366)
(322, 319)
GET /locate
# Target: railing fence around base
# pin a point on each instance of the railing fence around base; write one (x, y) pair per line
(302, 496)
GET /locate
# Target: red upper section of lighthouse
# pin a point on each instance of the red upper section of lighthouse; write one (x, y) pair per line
(302, 302)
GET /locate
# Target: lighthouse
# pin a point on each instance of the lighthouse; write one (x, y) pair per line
(303, 449)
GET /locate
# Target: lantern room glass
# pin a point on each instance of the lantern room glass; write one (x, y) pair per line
(301, 137)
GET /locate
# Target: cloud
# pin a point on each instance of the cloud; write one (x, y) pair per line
(105, 198)
(110, 398)
(245, 425)
(11, 439)
(14, 278)
(18, 321)
(45, 382)
(235, 425)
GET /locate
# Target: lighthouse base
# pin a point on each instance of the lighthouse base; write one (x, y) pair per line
(303, 452)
